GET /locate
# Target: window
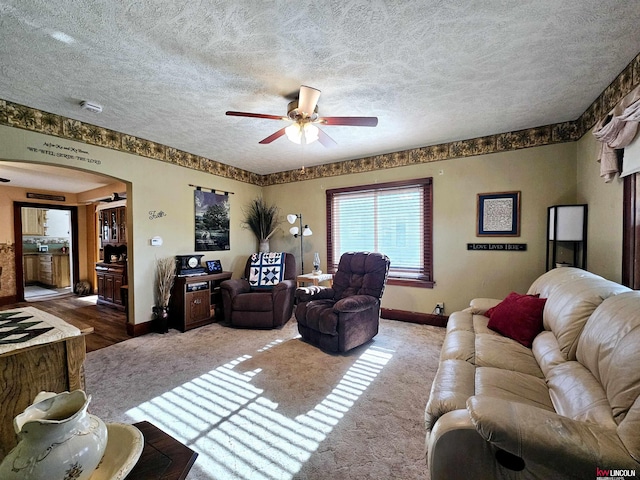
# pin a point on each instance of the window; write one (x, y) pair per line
(393, 218)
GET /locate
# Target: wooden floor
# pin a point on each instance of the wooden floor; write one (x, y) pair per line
(109, 324)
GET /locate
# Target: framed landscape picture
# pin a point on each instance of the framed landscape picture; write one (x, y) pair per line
(211, 221)
(498, 214)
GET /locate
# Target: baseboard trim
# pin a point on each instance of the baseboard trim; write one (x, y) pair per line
(139, 329)
(9, 300)
(415, 317)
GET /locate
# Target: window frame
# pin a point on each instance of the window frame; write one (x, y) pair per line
(426, 279)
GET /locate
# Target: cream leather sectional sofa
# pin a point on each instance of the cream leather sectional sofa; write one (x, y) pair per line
(569, 407)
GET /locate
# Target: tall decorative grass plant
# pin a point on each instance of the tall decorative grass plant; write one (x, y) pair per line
(165, 276)
(262, 220)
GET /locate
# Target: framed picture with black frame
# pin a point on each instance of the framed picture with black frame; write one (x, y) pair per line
(214, 266)
(498, 214)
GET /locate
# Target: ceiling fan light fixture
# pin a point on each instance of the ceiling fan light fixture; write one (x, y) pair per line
(294, 133)
(303, 113)
(310, 133)
(299, 134)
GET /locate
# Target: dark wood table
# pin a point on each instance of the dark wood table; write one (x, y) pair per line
(163, 457)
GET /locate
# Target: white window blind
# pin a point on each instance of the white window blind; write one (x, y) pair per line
(392, 218)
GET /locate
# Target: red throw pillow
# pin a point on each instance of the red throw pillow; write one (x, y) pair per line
(518, 317)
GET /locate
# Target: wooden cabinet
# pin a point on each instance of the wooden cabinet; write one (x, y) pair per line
(48, 269)
(195, 299)
(110, 279)
(61, 271)
(34, 221)
(30, 264)
(45, 269)
(113, 226)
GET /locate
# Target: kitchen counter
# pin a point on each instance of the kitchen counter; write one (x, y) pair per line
(47, 268)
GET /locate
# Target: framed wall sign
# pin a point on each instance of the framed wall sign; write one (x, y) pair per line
(498, 214)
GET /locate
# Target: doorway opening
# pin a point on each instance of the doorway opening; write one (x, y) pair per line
(46, 238)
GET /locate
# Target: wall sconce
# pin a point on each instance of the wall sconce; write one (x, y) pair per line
(299, 232)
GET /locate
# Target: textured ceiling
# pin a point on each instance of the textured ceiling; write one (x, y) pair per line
(432, 71)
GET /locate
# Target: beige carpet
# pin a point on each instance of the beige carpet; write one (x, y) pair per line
(261, 404)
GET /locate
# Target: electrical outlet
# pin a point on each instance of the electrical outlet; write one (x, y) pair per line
(440, 308)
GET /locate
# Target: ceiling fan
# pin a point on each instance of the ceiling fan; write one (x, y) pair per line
(303, 112)
(114, 197)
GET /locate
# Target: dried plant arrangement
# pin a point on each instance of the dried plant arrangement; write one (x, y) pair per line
(261, 219)
(165, 275)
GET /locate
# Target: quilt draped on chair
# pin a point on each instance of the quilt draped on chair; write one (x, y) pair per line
(267, 269)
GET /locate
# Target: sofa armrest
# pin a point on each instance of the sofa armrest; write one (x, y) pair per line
(454, 442)
(235, 286)
(479, 306)
(316, 292)
(540, 436)
(355, 303)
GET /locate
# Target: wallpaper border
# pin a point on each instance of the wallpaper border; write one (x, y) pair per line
(20, 116)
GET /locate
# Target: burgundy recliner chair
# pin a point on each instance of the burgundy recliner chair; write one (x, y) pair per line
(248, 307)
(346, 315)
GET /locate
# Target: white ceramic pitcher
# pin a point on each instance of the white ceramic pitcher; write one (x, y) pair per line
(59, 440)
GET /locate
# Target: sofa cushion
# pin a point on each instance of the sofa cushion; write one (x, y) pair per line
(513, 386)
(518, 317)
(547, 282)
(501, 352)
(570, 305)
(577, 394)
(609, 349)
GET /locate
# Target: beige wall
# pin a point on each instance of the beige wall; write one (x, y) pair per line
(604, 255)
(548, 175)
(544, 175)
(154, 186)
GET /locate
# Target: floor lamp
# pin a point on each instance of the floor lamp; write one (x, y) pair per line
(299, 232)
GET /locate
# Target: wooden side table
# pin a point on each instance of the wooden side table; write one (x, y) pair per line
(314, 279)
(163, 457)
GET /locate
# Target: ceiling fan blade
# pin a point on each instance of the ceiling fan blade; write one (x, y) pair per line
(255, 115)
(308, 100)
(353, 121)
(273, 136)
(325, 139)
